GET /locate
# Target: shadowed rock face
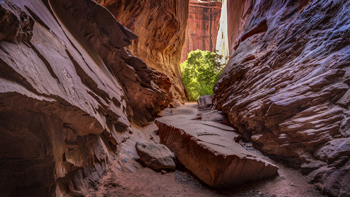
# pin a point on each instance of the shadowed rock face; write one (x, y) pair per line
(160, 26)
(68, 90)
(286, 86)
(202, 26)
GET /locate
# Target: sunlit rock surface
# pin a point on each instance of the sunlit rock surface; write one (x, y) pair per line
(222, 39)
(160, 26)
(68, 93)
(286, 86)
(202, 26)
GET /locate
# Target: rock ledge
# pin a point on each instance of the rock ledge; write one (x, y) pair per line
(209, 151)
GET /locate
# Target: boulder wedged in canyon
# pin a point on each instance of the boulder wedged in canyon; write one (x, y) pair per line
(160, 26)
(286, 86)
(68, 89)
(209, 151)
(202, 26)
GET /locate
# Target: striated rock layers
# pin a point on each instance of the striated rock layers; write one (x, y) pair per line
(286, 86)
(68, 92)
(160, 26)
(202, 26)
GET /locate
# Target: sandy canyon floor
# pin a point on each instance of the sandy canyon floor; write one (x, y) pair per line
(128, 177)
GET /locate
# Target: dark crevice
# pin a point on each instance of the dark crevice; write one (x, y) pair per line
(88, 81)
(8, 73)
(260, 28)
(47, 64)
(36, 18)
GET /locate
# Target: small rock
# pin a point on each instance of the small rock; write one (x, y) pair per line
(163, 172)
(249, 145)
(205, 101)
(318, 186)
(155, 156)
(291, 184)
(306, 168)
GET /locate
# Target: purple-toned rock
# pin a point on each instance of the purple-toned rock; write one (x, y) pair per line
(286, 85)
(68, 92)
(205, 102)
(155, 156)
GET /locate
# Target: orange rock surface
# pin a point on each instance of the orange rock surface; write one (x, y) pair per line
(202, 26)
(160, 26)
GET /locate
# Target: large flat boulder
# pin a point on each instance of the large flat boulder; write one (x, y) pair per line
(208, 150)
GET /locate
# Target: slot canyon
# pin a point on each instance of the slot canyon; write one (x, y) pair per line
(92, 101)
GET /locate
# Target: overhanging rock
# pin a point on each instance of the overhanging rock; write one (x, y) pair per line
(208, 150)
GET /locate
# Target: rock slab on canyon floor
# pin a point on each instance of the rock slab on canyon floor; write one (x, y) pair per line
(209, 151)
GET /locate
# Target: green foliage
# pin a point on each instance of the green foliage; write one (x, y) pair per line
(200, 72)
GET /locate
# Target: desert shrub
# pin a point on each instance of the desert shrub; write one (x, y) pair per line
(200, 72)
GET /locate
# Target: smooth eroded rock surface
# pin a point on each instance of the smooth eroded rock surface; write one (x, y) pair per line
(209, 151)
(155, 156)
(286, 86)
(161, 27)
(68, 92)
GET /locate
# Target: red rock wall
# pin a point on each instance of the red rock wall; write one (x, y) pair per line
(286, 86)
(160, 26)
(202, 26)
(69, 92)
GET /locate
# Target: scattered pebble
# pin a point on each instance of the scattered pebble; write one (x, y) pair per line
(291, 184)
(163, 172)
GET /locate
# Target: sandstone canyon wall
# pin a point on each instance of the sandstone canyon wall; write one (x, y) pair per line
(202, 26)
(161, 28)
(286, 86)
(69, 92)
